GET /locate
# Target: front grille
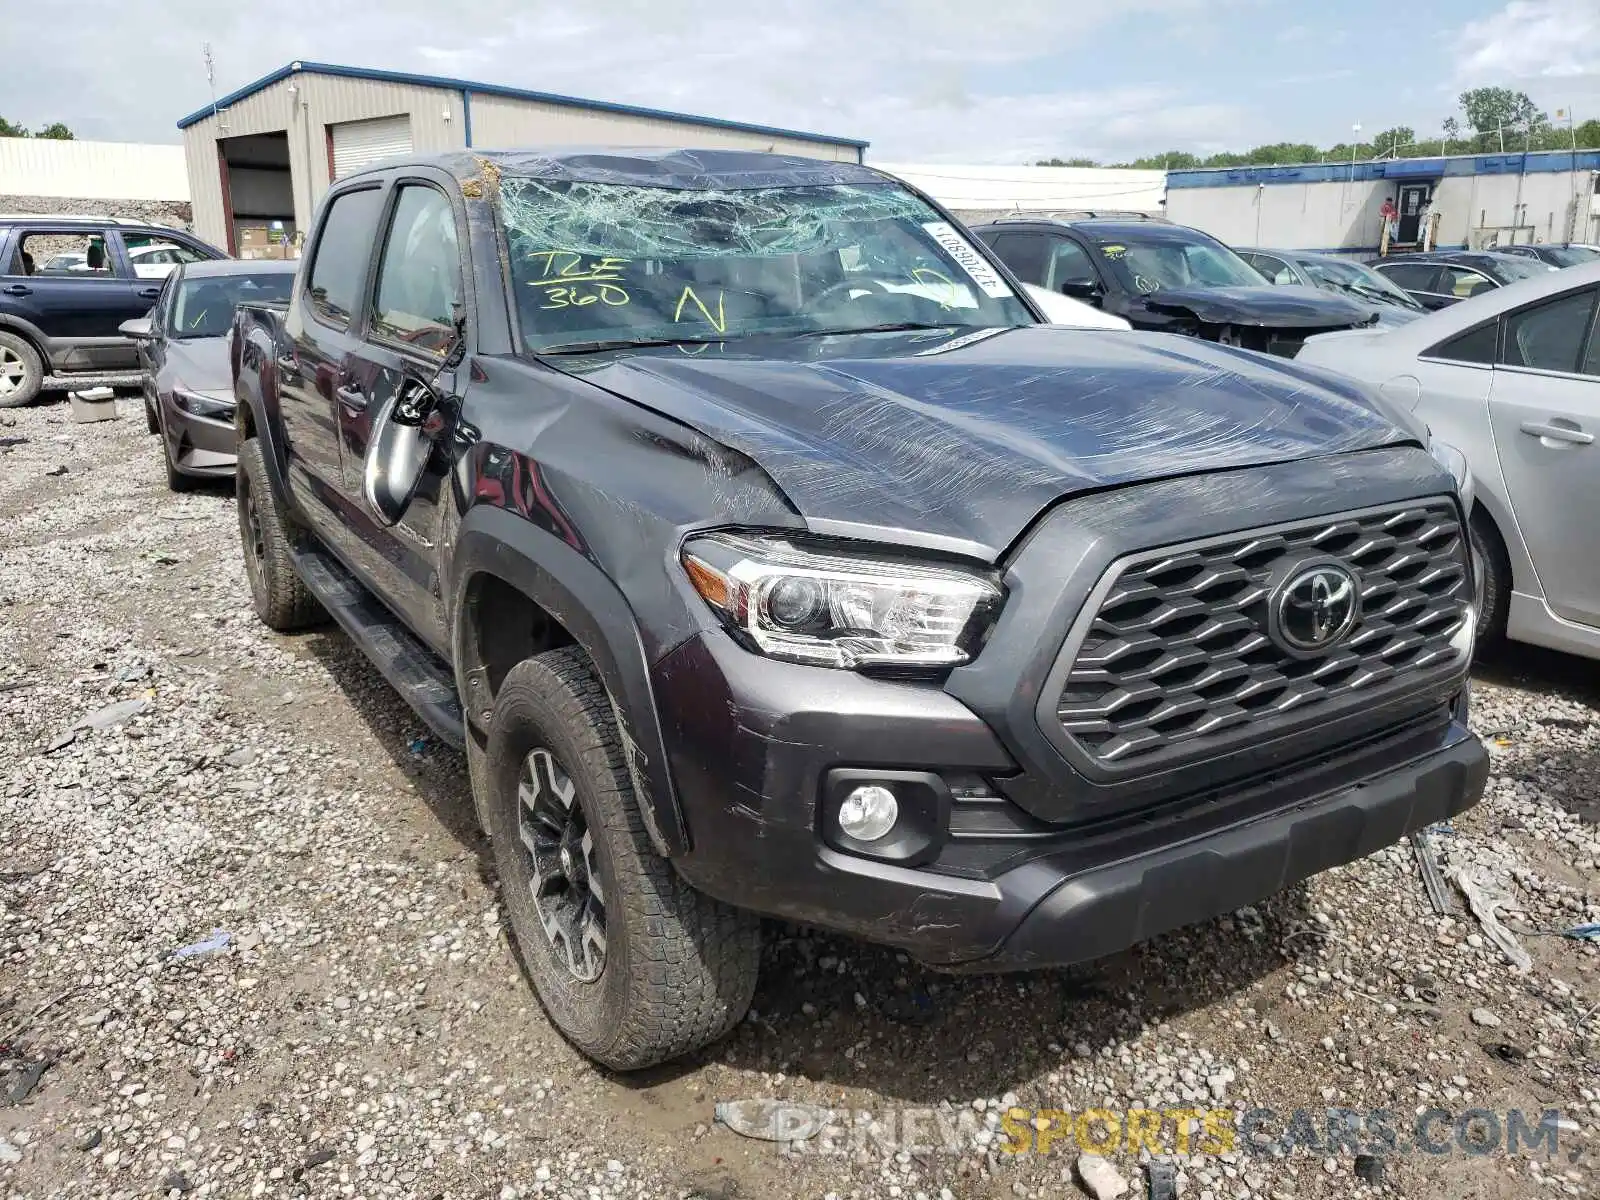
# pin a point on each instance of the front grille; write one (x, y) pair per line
(1177, 663)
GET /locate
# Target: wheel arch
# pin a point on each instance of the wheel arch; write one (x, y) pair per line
(501, 558)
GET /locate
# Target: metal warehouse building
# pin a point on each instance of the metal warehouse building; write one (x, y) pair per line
(1477, 201)
(260, 158)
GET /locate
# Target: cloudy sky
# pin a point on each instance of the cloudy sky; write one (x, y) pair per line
(923, 80)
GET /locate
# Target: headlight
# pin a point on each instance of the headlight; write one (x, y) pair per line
(839, 610)
(1452, 460)
(201, 405)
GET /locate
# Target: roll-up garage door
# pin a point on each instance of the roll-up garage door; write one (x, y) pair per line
(357, 144)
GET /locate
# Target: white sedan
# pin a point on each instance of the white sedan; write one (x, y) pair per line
(1511, 377)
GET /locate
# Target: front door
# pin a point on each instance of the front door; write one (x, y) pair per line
(1413, 199)
(1545, 410)
(321, 331)
(66, 284)
(399, 401)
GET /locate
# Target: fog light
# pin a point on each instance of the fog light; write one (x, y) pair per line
(868, 813)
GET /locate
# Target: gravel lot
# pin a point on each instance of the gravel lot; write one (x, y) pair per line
(366, 1029)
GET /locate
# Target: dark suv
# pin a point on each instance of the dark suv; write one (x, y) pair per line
(769, 555)
(66, 285)
(1169, 278)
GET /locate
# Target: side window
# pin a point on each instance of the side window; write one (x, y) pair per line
(419, 278)
(1275, 269)
(1549, 336)
(1069, 263)
(162, 306)
(339, 269)
(1411, 277)
(1025, 253)
(64, 255)
(1462, 282)
(1473, 346)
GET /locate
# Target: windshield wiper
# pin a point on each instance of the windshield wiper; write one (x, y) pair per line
(888, 327)
(624, 344)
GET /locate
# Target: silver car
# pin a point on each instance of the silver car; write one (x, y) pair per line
(1512, 377)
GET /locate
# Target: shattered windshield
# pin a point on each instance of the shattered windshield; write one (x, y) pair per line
(601, 262)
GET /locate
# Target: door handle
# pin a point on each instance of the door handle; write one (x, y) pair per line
(148, 293)
(18, 289)
(352, 398)
(1557, 433)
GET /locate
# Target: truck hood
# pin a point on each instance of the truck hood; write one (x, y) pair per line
(1287, 307)
(961, 441)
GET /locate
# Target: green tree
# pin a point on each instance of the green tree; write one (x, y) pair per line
(1067, 162)
(1496, 112)
(7, 129)
(56, 133)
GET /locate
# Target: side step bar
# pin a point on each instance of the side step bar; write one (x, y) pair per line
(423, 680)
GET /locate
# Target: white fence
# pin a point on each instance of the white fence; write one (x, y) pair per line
(92, 170)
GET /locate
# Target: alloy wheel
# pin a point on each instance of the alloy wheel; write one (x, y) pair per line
(568, 892)
(13, 371)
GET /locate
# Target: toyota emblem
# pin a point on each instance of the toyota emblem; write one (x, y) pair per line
(1314, 608)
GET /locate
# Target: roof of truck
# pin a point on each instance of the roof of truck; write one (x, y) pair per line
(713, 170)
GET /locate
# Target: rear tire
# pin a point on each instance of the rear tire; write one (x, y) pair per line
(1494, 565)
(632, 965)
(282, 600)
(21, 371)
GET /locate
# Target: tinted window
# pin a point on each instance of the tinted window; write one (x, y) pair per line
(1025, 253)
(1413, 277)
(340, 266)
(419, 280)
(1069, 263)
(1474, 346)
(1549, 336)
(1275, 269)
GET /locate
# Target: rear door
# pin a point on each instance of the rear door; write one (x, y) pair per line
(321, 332)
(399, 399)
(1545, 409)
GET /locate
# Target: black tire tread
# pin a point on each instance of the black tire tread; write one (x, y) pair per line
(692, 960)
(288, 604)
(1496, 565)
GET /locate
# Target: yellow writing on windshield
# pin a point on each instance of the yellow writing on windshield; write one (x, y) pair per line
(563, 275)
(718, 322)
(948, 295)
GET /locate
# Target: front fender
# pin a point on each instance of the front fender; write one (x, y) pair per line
(578, 595)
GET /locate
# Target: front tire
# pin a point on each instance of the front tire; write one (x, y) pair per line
(281, 598)
(632, 965)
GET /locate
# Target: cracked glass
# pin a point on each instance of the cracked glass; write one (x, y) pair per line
(605, 262)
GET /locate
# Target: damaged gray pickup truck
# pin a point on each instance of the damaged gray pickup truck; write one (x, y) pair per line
(767, 554)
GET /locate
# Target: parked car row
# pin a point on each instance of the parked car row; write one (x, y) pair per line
(66, 285)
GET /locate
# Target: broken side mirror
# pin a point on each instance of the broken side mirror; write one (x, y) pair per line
(405, 432)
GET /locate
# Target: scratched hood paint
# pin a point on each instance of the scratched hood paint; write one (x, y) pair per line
(1288, 307)
(968, 439)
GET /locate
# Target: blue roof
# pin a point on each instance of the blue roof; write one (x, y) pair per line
(494, 89)
(1437, 167)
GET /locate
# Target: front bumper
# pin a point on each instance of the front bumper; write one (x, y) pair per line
(200, 446)
(752, 743)
(1036, 858)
